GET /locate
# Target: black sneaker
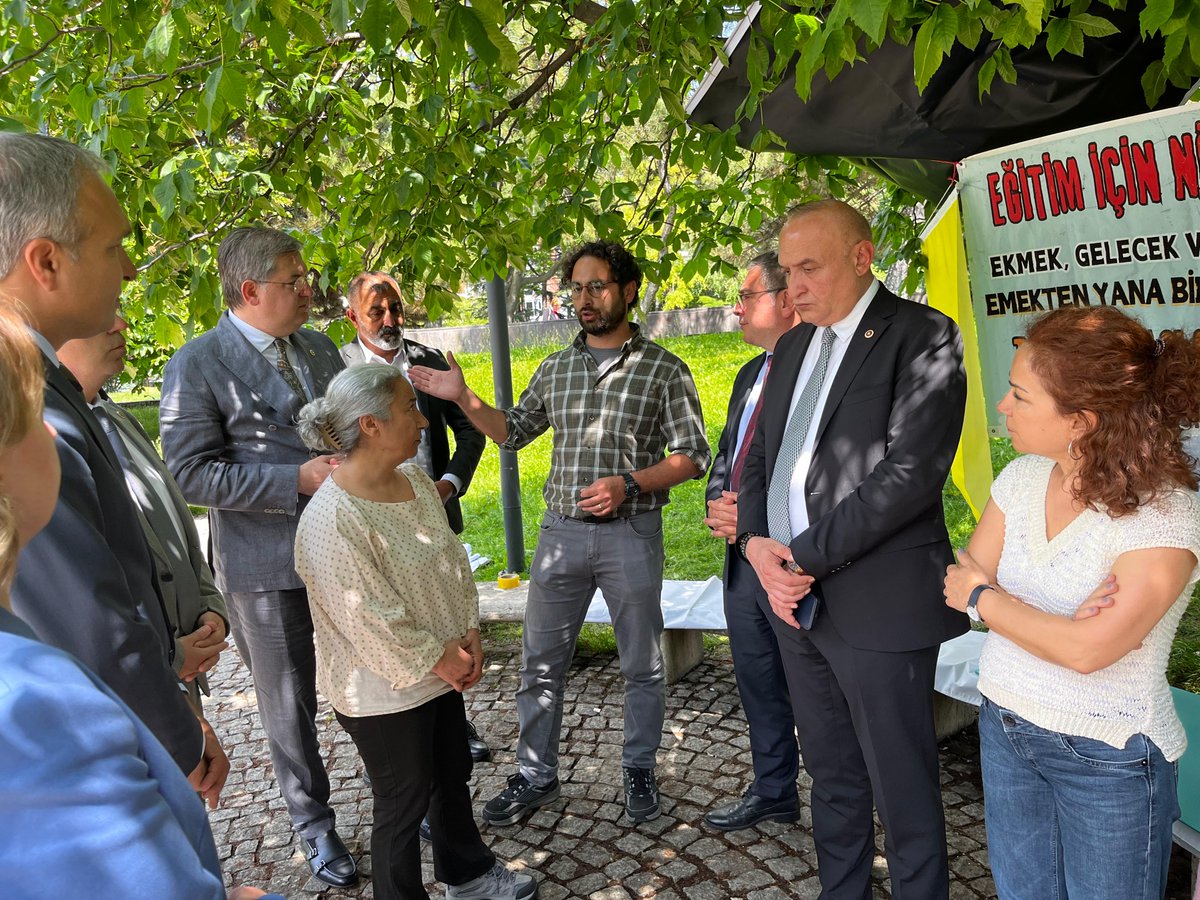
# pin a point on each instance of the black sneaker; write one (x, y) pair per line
(641, 794)
(513, 803)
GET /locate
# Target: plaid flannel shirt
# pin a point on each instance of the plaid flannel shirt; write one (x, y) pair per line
(609, 421)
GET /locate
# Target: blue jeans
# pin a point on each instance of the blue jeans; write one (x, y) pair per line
(1072, 817)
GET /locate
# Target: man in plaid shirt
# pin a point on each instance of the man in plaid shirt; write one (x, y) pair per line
(616, 402)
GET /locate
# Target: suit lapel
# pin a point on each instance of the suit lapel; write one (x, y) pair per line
(742, 385)
(253, 370)
(58, 382)
(875, 322)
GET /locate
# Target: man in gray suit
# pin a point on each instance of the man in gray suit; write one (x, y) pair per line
(86, 583)
(195, 608)
(229, 402)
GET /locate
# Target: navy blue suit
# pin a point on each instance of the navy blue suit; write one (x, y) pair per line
(87, 584)
(762, 684)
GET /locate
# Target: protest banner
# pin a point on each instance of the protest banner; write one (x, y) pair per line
(1104, 215)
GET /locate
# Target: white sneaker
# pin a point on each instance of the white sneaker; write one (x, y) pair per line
(498, 884)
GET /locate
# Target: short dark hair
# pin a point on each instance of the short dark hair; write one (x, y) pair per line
(771, 273)
(354, 292)
(620, 261)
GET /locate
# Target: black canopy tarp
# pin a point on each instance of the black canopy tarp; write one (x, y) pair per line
(872, 113)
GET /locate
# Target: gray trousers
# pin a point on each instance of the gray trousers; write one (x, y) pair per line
(624, 558)
(274, 635)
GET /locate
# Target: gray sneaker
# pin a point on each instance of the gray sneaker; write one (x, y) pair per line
(500, 883)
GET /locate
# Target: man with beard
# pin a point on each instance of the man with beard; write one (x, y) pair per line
(375, 308)
(616, 402)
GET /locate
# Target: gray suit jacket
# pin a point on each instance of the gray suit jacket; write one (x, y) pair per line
(184, 578)
(230, 441)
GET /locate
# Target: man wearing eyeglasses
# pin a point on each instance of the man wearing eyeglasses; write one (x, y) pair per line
(765, 314)
(229, 402)
(627, 427)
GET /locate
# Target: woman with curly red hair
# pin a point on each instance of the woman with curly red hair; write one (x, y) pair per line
(1078, 732)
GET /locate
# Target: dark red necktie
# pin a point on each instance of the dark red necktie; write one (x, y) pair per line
(735, 477)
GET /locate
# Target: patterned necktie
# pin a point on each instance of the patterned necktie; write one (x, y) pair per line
(779, 518)
(284, 365)
(735, 478)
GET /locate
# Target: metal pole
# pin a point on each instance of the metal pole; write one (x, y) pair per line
(510, 478)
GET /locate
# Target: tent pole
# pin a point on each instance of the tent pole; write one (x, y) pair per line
(510, 479)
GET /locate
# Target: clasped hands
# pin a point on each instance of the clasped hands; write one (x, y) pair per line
(461, 665)
(202, 647)
(785, 582)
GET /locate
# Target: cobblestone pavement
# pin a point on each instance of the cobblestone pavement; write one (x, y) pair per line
(582, 846)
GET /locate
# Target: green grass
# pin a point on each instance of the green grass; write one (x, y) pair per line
(692, 555)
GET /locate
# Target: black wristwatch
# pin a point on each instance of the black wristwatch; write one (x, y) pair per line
(973, 601)
(632, 488)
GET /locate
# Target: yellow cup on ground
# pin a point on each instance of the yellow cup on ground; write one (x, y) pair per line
(508, 580)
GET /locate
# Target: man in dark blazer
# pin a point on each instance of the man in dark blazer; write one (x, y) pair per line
(228, 410)
(377, 312)
(86, 583)
(765, 314)
(840, 515)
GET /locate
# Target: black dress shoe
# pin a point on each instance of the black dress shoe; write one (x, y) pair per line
(329, 859)
(751, 810)
(480, 751)
(425, 831)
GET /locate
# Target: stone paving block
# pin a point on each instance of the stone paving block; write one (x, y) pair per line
(583, 845)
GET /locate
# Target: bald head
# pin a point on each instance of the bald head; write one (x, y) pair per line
(825, 247)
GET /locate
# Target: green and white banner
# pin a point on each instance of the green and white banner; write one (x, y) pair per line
(1105, 215)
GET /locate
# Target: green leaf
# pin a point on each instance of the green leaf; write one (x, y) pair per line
(211, 97)
(374, 22)
(489, 10)
(405, 12)
(935, 37)
(871, 16)
(1155, 15)
(162, 41)
(1093, 26)
(164, 196)
(1154, 82)
(1058, 33)
(477, 36)
(339, 16)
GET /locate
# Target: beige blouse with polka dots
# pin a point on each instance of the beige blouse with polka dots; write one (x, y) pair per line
(388, 585)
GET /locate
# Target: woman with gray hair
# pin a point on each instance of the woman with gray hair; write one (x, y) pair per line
(396, 619)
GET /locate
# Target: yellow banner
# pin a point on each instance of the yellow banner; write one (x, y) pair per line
(949, 291)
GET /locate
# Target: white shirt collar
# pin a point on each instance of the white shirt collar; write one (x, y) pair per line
(259, 340)
(44, 346)
(400, 359)
(844, 330)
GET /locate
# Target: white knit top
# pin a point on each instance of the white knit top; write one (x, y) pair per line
(388, 585)
(1132, 695)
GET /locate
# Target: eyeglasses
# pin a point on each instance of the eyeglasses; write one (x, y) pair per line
(595, 288)
(307, 280)
(745, 296)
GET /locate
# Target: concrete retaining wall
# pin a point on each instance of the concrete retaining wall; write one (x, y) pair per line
(475, 338)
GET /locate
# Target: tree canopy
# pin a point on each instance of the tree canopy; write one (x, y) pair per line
(447, 141)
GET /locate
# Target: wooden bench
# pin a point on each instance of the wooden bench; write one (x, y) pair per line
(682, 639)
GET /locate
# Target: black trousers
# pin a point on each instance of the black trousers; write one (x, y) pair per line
(418, 760)
(865, 723)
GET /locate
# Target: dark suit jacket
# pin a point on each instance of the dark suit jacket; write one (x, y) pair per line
(229, 438)
(877, 541)
(87, 584)
(722, 467)
(469, 442)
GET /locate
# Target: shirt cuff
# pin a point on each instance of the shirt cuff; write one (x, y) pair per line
(455, 481)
